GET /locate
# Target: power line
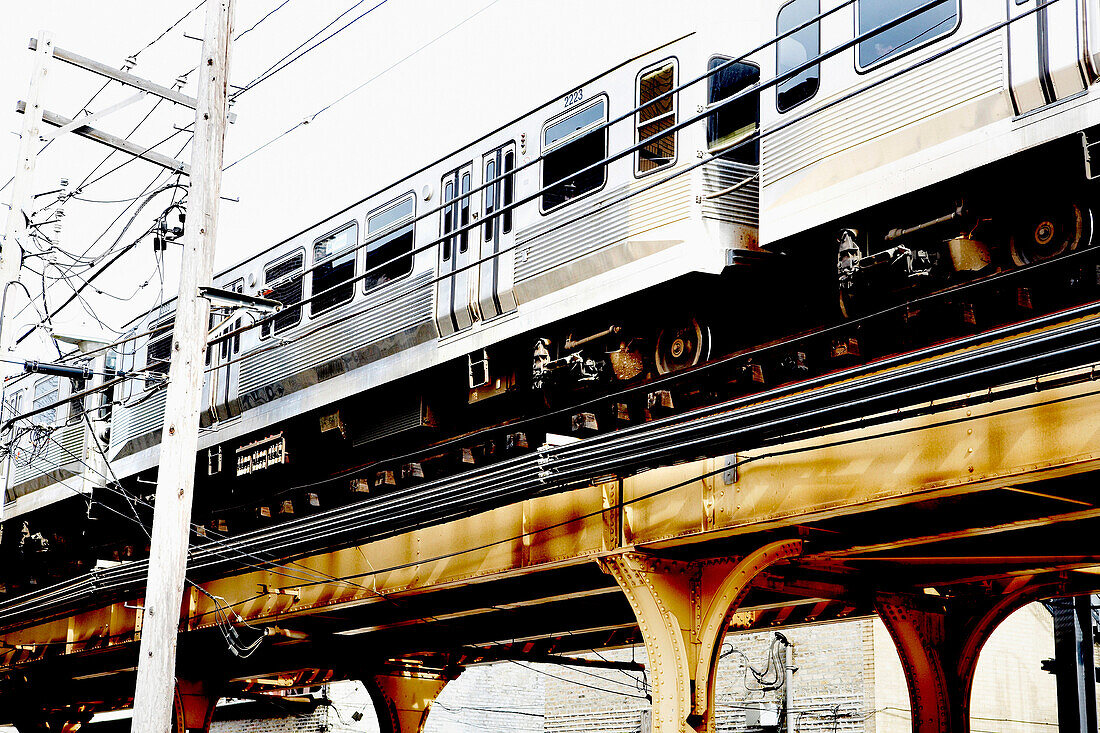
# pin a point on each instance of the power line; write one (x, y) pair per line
(713, 154)
(253, 27)
(318, 113)
(165, 32)
(86, 182)
(579, 683)
(621, 503)
(280, 65)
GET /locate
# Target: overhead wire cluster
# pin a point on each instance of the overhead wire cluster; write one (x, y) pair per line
(82, 260)
(709, 157)
(70, 267)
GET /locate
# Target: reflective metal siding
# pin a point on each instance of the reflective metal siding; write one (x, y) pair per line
(384, 312)
(128, 423)
(72, 440)
(970, 72)
(400, 413)
(558, 239)
(65, 447)
(741, 206)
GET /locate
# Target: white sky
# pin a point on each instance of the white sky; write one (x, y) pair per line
(514, 55)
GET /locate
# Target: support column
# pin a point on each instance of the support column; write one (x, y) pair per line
(403, 698)
(939, 646)
(684, 610)
(193, 707)
(1074, 664)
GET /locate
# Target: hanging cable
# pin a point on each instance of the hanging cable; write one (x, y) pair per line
(280, 65)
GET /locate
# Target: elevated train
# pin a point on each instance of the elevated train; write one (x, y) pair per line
(729, 189)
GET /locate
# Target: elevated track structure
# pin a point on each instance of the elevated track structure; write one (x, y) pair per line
(900, 415)
(941, 491)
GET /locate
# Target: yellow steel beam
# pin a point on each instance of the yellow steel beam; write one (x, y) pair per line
(1011, 442)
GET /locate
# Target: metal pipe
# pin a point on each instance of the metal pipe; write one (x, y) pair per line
(571, 344)
(57, 370)
(895, 234)
(788, 684)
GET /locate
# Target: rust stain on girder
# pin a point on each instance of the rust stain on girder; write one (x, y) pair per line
(968, 448)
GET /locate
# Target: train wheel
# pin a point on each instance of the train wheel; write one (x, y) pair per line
(682, 346)
(1051, 231)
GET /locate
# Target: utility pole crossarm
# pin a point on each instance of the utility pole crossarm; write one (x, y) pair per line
(111, 141)
(122, 77)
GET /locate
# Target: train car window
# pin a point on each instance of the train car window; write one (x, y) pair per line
(283, 280)
(448, 219)
(509, 192)
(656, 117)
(76, 404)
(569, 145)
(464, 215)
(334, 263)
(157, 356)
(237, 287)
(46, 392)
(211, 321)
(490, 198)
(13, 406)
(736, 120)
(230, 345)
(796, 49)
(390, 242)
(938, 20)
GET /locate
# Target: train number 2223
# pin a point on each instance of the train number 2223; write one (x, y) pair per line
(573, 97)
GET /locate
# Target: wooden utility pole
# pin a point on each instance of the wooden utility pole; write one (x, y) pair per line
(15, 232)
(23, 183)
(156, 676)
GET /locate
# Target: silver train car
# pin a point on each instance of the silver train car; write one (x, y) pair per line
(601, 235)
(640, 224)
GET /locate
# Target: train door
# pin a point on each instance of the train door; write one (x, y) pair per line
(1046, 61)
(223, 364)
(456, 291)
(496, 238)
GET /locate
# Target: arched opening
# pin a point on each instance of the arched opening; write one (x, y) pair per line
(1012, 692)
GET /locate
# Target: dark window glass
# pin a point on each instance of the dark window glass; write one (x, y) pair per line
(334, 263)
(13, 406)
(390, 243)
(235, 342)
(284, 281)
(448, 220)
(212, 321)
(738, 119)
(45, 393)
(656, 117)
(796, 49)
(464, 215)
(76, 404)
(564, 156)
(158, 355)
(509, 193)
(490, 198)
(936, 21)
